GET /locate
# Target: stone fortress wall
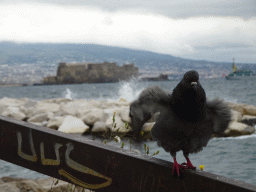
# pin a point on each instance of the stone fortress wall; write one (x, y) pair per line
(105, 72)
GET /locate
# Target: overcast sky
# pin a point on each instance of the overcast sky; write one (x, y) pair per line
(213, 30)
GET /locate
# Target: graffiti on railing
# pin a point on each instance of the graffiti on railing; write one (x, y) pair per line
(55, 162)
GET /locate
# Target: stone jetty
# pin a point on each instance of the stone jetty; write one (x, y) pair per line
(92, 117)
(9, 184)
(96, 117)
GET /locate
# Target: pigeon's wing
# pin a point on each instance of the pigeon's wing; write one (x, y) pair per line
(151, 100)
(218, 113)
(168, 136)
(218, 116)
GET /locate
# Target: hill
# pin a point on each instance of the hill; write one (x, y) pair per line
(44, 59)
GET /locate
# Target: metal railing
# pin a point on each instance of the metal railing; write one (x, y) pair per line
(97, 166)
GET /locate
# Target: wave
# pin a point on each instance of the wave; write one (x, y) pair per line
(236, 138)
(68, 94)
(128, 90)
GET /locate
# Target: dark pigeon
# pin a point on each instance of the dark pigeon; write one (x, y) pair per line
(186, 121)
(150, 101)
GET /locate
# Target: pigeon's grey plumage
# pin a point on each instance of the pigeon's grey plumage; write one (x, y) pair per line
(151, 100)
(186, 121)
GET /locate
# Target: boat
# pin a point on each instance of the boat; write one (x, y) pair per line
(239, 74)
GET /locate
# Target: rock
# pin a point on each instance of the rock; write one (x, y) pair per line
(248, 130)
(110, 112)
(92, 116)
(250, 110)
(9, 187)
(38, 124)
(106, 105)
(61, 113)
(72, 107)
(29, 103)
(10, 102)
(9, 184)
(237, 107)
(147, 127)
(99, 126)
(122, 100)
(73, 125)
(244, 109)
(2, 108)
(57, 100)
(83, 112)
(42, 107)
(154, 117)
(236, 115)
(248, 117)
(27, 106)
(120, 125)
(249, 120)
(38, 118)
(95, 103)
(237, 129)
(125, 115)
(14, 112)
(46, 185)
(22, 109)
(55, 122)
(28, 185)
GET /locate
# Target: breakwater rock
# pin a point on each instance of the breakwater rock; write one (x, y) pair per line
(9, 184)
(96, 117)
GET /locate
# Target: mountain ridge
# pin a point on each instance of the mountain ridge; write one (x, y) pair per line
(31, 62)
(11, 52)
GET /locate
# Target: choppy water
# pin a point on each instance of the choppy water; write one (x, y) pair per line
(229, 157)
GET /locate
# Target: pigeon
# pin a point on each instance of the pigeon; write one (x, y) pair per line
(187, 120)
(150, 101)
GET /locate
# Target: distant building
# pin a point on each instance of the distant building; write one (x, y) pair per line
(74, 73)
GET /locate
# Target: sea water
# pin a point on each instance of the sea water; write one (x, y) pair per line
(233, 157)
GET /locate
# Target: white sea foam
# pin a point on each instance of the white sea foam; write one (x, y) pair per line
(68, 94)
(231, 100)
(129, 90)
(237, 138)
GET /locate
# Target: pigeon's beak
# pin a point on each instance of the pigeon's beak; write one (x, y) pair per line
(194, 85)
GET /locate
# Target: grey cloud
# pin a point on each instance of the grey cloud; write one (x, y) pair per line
(241, 54)
(224, 46)
(174, 9)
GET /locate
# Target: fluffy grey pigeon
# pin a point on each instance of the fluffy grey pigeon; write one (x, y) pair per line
(186, 121)
(151, 100)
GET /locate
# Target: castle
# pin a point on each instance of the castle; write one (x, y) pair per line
(75, 73)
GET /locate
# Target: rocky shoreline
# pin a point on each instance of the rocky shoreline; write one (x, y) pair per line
(96, 117)
(9, 184)
(92, 117)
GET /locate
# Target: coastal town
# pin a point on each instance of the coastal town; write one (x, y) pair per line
(29, 64)
(34, 73)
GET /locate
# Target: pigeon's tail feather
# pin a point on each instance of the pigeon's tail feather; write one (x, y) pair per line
(219, 113)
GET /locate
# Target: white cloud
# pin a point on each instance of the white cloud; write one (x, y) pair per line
(147, 31)
(173, 9)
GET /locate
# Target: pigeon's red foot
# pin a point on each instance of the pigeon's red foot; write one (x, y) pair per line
(188, 165)
(176, 167)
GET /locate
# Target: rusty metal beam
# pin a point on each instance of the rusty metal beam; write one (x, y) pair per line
(97, 166)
